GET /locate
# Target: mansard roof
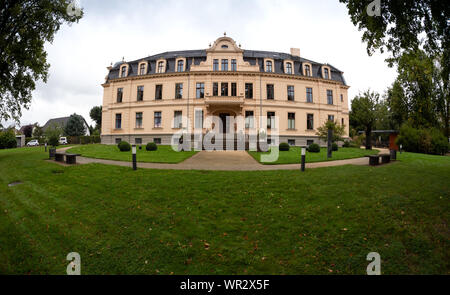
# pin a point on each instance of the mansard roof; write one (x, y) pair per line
(251, 56)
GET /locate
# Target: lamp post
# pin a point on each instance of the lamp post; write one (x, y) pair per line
(303, 159)
(45, 147)
(133, 150)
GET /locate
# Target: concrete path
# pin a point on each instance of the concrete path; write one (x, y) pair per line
(222, 161)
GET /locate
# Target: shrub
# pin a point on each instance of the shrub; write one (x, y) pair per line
(95, 139)
(334, 147)
(346, 144)
(85, 139)
(284, 146)
(429, 141)
(8, 139)
(314, 148)
(151, 146)
(53, 140)
(124, 146)
(439, 144)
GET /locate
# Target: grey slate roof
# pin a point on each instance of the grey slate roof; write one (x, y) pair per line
(61, 122)
(251, 56)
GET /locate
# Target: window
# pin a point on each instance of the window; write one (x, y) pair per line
(269, 66)
(291, 142)
(177, 122)
(140, 93)
(138, 140)
(326, 73)
(342, 121)
(224, 89)
(289, 68)
(123, 72)
(233, 65)
(233, 89)
(200, 90)
(249, 119)
(224, 64)
(119, 94)
(180, 66)
(215, 89)
(157, 119)
(118, 121)
(158, 92)
(198, 119)
(329, 96)
(269, 91)
(216, 65)
(309, 142)
(310, 121)
(307, 70)
(178, 90)
(309, 95)
(161, 67)
(157, 140)
(270, 120)
(142, 69)
(139, 120)
(248, 90)
(331, 118)
(291, 120)
(290, 93)
(118, 140)
(342, 98)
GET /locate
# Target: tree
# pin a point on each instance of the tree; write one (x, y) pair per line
(96, 116)
(364, 113)
(8, 139)
(338, 131)
(404, 25)
(75, 126)
(25, 27)
(52, 134)
(28, 130)
(38, 132)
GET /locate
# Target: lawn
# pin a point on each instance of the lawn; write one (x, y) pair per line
(164, 154)
(293, 156)
(322, 221)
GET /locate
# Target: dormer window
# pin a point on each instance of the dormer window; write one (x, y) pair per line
(123, 71)
(326, 73)
(307, 70)
(180, 65)
(161, 67)
(288, 68)
(269, 66)
(142, 68)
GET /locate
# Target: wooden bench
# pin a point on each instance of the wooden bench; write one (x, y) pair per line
(374, 160)
(70, 158)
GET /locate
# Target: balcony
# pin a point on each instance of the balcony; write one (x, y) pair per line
(224, 100)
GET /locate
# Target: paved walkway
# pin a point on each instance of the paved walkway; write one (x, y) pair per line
(222, 160)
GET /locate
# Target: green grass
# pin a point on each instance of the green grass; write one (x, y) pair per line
(164, 154)
(293, 156)
(322, 221)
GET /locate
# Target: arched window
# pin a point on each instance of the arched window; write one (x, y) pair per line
(289, 68)
(161, 67)
(123, 72)
(142, 69)
(307, 70)
(326, 73)
(269, 66)
(180, 66)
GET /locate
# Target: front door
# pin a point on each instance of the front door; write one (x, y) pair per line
(225, 125)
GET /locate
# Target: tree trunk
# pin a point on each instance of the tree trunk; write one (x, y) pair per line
(369, 138)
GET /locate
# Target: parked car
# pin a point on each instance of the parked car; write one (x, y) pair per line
(63, 140)
(33, 142)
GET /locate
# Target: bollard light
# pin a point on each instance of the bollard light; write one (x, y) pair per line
(45, 147)
(133, 151)
(400, 149)
(303, 158)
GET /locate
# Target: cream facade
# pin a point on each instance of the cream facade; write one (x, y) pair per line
(145, 100)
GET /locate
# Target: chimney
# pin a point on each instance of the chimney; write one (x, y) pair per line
(295, 52)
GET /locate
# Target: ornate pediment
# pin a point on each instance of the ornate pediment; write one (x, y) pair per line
(224, 44)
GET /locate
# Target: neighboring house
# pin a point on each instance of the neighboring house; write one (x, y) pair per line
(145, 100)
(61, 122)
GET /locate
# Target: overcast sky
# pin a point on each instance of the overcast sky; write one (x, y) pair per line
(134, 29)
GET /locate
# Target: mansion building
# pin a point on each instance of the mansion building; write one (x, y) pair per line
(145, 100)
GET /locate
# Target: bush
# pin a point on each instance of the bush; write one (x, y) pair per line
(334, 147)
(85, 139)
(428, 141)
(53, 140)
(439, 144)
(151, 146)
(314, 148)
(346, 144)
(8, 139)
(124, 146)
(284, 146)
(96, 138)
